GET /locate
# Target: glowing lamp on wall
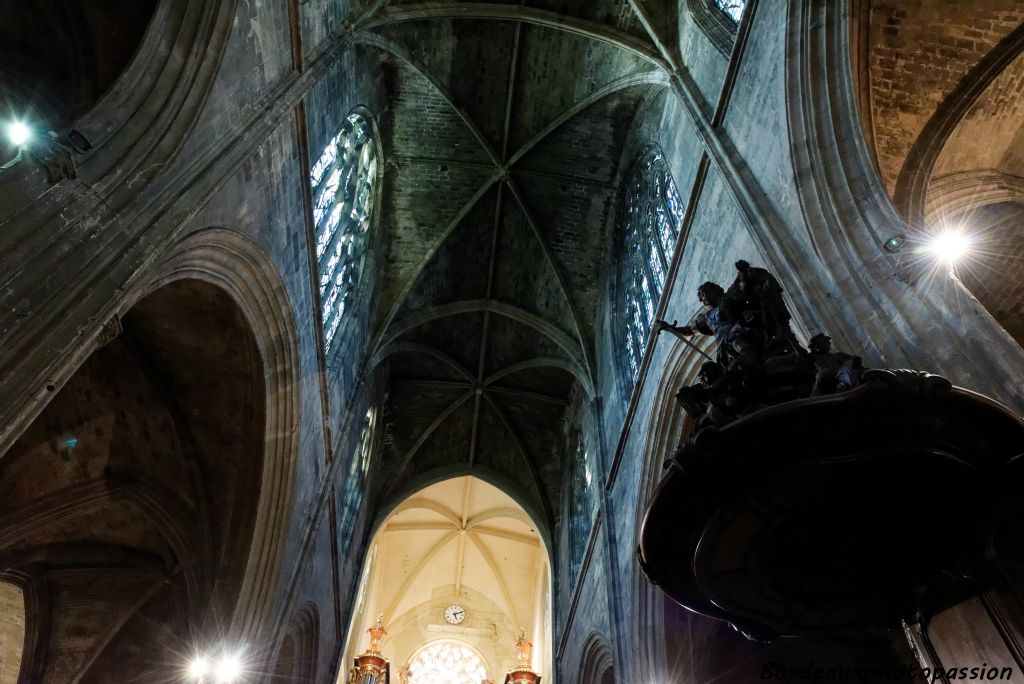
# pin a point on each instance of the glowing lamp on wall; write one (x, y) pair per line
(18, 133)
(949, 246)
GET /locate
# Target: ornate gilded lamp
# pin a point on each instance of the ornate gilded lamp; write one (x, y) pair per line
(371, 667)
(522, 674)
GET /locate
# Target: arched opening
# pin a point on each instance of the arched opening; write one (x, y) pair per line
(456, 569)
(129, 502)
(597, 665)
(920, 80)
(296, 658)
(12, 631)
(57, 59)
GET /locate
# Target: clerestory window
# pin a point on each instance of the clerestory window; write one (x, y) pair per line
(352, 494)
(583, 503)
(650, 216)
(343, 180)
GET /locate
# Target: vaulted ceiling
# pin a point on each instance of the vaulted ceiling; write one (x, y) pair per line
(463, 542)
(459, 534)
(506, 127)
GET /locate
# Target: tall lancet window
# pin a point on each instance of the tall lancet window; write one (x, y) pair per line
(582, 504)
(352, 495)
(649, 220)
(343, 181)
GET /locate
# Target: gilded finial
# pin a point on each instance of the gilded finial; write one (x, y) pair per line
(377, 634)
(523, 648)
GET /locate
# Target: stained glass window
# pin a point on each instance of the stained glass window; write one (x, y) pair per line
(343, 180)
(732, 8)
(649, 219)
(352, 493)
(446, 662)
(583, 502)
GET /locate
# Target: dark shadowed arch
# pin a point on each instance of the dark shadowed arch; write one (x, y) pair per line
(597, 663)
(136, 489)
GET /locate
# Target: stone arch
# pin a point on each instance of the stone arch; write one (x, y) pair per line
(849, 216)
(911, 191)
(135, 491)
(465, 540)
(481, 472)
(714, 23)
(297, 655)
(127, 118)
(57, 81)
(597, 665)
(229, 260)
(120, 149)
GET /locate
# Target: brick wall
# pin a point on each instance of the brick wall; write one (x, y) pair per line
(919, 52)
(12, 632)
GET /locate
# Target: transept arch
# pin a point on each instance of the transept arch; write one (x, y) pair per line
(454, 540)
(133, 495)
(226, 259)
(850, 216)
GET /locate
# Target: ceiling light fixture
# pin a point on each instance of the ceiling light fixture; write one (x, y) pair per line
(18, 133)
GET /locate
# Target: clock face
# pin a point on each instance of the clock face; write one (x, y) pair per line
(454, 614)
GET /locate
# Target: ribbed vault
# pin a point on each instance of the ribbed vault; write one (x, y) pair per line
(459, 542)
(504, 131)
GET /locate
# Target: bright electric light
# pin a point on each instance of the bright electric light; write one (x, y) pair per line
(949, 246)
(18, 133)
(198, 668)
(229, 669)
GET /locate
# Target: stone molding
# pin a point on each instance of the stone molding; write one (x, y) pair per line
(232, 262)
